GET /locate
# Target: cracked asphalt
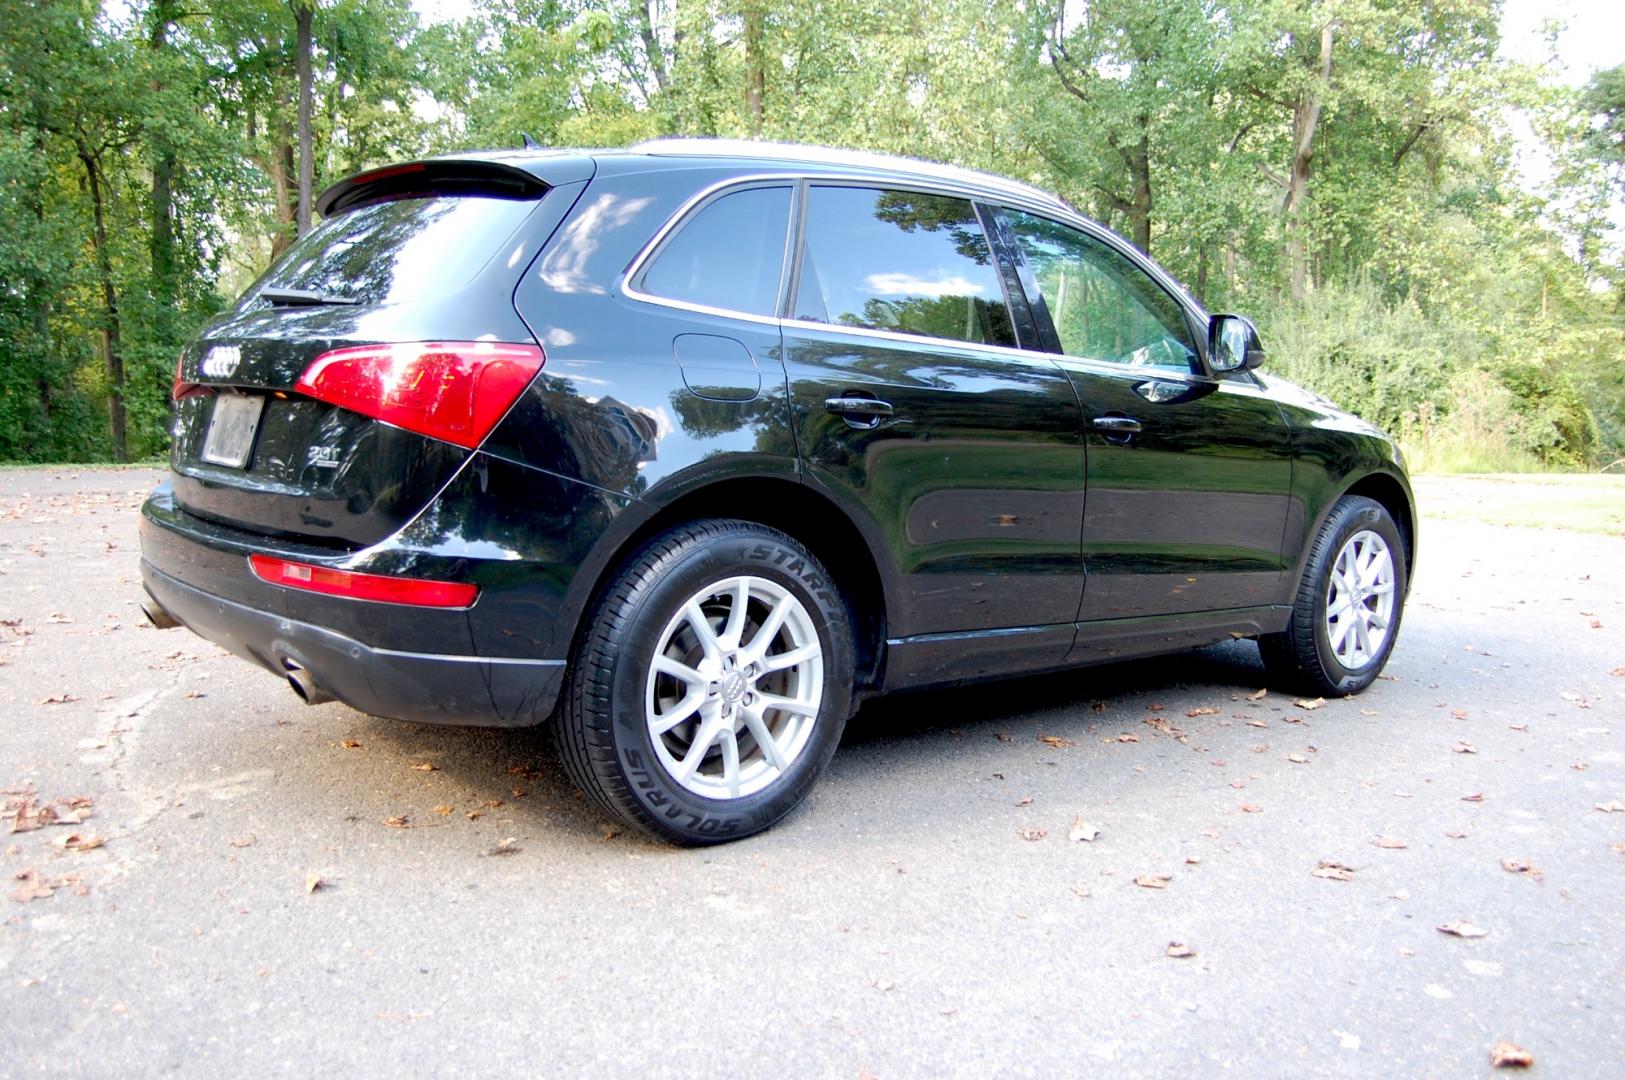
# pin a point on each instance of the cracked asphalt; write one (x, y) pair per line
(925, 914)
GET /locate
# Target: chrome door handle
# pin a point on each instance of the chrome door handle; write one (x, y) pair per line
(1117, 425)
(859, 412)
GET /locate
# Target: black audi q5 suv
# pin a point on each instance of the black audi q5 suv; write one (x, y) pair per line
(692, 446)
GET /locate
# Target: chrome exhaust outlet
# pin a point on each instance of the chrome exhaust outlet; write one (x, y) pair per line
(304, 685)
(157, 616)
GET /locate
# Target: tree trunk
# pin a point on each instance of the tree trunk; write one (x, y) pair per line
(1305, 118)
(161, 241)
(302, 15)
(112, 355)
(652, 51)
(755, 65)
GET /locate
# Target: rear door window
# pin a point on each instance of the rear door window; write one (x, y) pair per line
(729, 255)
(402, 250)
(902, 261)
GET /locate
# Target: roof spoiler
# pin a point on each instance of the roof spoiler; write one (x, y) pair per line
(418, 179)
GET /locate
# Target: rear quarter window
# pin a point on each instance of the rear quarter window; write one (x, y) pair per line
(402, 250)
(729, 255)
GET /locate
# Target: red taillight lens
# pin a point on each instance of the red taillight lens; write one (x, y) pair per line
(180, 388)
(388, 590)
(451, 390)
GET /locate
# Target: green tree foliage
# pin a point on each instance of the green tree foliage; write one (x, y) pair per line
(1342, 169)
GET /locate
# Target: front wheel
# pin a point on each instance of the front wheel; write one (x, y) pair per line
(712, 685)
(1345, 616)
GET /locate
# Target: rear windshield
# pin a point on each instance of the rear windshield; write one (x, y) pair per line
(395, 252)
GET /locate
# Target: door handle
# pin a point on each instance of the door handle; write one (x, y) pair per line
(859, 412)
(1117, 425)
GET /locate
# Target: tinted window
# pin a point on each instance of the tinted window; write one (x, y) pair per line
(729, 255)
(1103, 306)
(396, 251)
(898, 260)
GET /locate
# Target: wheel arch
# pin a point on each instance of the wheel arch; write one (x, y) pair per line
(1395, 497)
(779, 503)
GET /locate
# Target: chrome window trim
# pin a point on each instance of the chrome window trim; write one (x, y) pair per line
(924, 185)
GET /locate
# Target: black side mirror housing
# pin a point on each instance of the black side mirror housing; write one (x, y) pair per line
(1232, 344)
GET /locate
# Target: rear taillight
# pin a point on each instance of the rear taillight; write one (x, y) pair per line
(180, 388)
(451, 390)
(378, 587)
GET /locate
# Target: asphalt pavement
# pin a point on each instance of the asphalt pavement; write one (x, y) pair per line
(238, 884)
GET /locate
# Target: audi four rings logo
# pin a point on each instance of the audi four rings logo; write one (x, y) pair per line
(221, 361)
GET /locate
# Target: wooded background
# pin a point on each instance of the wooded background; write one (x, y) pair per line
(1343, 170)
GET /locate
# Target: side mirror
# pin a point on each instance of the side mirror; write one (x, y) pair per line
(1233, 344)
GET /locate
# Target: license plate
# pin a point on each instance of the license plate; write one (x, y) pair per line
(231, 429)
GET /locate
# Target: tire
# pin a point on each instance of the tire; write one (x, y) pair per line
(616, 729)
(1333, 648)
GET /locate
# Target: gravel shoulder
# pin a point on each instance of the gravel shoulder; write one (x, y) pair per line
(926, 913)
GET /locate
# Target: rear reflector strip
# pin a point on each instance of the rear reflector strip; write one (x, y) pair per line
(451, 390)
(388, 590)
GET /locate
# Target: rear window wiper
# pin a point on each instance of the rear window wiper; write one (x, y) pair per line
(303, 297)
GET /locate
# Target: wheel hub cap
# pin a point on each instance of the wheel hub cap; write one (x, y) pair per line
(1360, 600)
(734, 687)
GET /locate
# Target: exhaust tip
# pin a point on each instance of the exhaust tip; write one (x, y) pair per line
(157, 616)
(304, 684)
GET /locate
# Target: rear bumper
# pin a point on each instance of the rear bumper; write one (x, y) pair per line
(434, 688)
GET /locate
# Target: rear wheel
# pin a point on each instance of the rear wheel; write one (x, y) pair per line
(712, 685)
(1346, 614)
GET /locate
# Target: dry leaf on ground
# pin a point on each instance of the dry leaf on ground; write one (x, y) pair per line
(76, 842)
(1310, 703)
(1333, 871)
(510, 846)
(1201, 711)
(1297, 759)
(314, 882)
(31, 887)
(58, 699)
(1477, 796)
(1456, 834)
(1257, 695)
(1615, 807)
(1463, 929)
(399, 821)
(1458, 714)
(349, 744)
(1391, 842)
(1465, 748)
(243, 841)
(425, 766)
(1509, 1055)
(1179, 950)
(1054, 740)
(1521, 866)
(1251, 808)
(1153, 881)
(1032, 834)
(1082, 830)
(1128, 736)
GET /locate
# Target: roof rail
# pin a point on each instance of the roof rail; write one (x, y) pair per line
(824, 155)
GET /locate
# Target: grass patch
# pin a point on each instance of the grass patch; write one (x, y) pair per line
(1582, 502)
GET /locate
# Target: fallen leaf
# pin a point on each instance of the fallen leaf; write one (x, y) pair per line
(349, 744)
(1477, 796)
(1153, 881)
(1518, 727)
(1333, 871)
(1032, 834)
(1509, 1055)
(443, 810)
(1521, 866)
(1251, 808)
(1391, 842)
(510, 846)
(475, 815)
(1580, 766)
(425, 766)
(1257, 695)
(399, 821)
(1155, 706)
(1028, 801)
(1458, 714)
(1128, 736)
(196, 694)
(58, 699)
(1297, 759)
(1201, 711)
(1310, 703)
(1463, 929)
(1617, 849)
(1619, 671)
(1193, 860)
(1179, 950)
(1002, 736)
(243, 841)
(76, 842)
(1615, 807)
(1256, 723)
(1596, 624)
(1082, 830)
(1055, 741)
(1261, 748)
(1369, 712)
(1465, 748)
(33, 887)
(1456, 834)
(314, 882)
